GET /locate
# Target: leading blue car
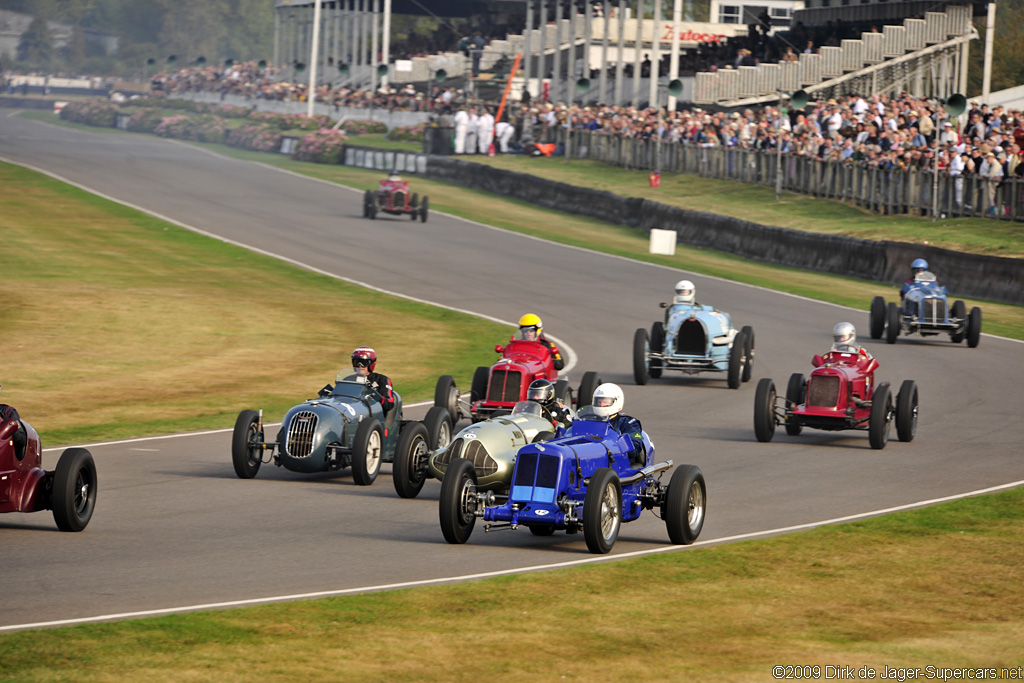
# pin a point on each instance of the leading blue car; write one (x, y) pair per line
(925, 310)
(591, 479)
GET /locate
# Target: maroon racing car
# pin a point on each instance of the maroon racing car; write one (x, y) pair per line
(840, 394)
(392, 196)
(497, 389)
(70, 490)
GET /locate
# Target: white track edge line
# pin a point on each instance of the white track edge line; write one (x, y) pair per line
(502, 572)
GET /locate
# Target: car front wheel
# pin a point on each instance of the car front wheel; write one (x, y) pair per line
(409, 469)
(906, 411)
(74, 490)
(877, 317)
(457, 505)
(366, 452)
(641, 357)
(764, 410)
(881, 413)
(737, 360)
(892, 322)
(246, 451)
(602, 511)
(685, 504)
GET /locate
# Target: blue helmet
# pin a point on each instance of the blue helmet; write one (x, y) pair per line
(919, 264)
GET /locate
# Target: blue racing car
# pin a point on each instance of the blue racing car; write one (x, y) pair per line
(925, 310)
(591, 478)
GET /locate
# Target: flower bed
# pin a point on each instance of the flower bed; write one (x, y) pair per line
(408, 133)
(145, 120)
(324, 146)
(90, 112)
(363, 127)
(258, 136)
(201, 128)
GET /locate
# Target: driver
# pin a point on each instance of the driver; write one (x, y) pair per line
(543, 392)
(686, 293)
(393, 176)
(844, 340)
(532, 329)
(20, 437)
(364, 360)
(607, 404)
(918, 266)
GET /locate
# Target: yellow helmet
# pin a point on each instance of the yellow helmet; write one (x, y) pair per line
(530, 322)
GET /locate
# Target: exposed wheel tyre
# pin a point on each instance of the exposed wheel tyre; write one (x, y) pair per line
(246, 456)
(906, 411)
(685, 504)
(543, 436)
(641, 357)
(881, 414)
(73, 498)
(876, 318)
(974, 327)
(588, 385)
(796, 393)
(541, 529)
(562, 392)
(737, 360)
(367, 203)
(959, 312)
(478, 390)
(366, 452)
(602, 511)
(892, 322)
(657, 346)
(446, 395)
(414, 201)
(424, 209)
(748, 367)
(764, 410)
(438, 424)
(409, 468)
(457, 504)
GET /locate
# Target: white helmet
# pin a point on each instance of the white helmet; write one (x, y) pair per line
(684, 292)
(608, 400)
(844, 334)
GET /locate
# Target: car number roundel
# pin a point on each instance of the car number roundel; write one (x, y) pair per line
(469, 435)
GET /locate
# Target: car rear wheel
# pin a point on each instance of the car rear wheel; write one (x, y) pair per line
(423, 209)
(764, 410)
(737, 360)
(478, 390)
(796, 391)
(438, 424)
(409, 468)
(446, 395)
(974, 327)
(602, 511)
(877, 317)
(367, 203)
(457, 505)
(748, 367)
(906, 411)
(685, 504)
(589, 384)
(641, 356)
(246, 451)
(74, 490)
(892, 322)
(366, 452)
(657, 346)
(881, 416)
(959, 312)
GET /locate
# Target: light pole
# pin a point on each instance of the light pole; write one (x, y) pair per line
(311, 94)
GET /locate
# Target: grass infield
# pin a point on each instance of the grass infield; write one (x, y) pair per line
(939, 586)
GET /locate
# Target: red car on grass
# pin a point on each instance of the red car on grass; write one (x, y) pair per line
(392, 196)
(841, 394)
(70, 490)
(497, 389)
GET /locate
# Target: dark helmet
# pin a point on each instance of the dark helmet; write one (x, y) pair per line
(541, 391)
(365, 357)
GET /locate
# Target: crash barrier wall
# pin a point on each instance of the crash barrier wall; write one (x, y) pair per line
(893, 191)
(384, 159)
(970, 275)
(391, 119)
(26, 103)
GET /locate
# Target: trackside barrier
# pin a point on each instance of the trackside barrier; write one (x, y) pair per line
(967, 275)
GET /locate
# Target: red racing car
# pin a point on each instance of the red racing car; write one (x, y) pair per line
(497, 389)
(841, 394)
(70, 490)
(392, 196)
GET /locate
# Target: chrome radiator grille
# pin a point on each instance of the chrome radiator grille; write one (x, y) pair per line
(472, 450)
(823, 392)
(691, 340)
(505, 386)
(398, 198)
(933, 310)
(301, 431)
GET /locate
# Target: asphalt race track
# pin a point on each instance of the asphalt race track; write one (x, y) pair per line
(175, 528)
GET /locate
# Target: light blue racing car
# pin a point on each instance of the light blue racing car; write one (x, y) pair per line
(693, 338)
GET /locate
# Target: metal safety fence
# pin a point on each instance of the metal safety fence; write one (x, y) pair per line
(875, 188)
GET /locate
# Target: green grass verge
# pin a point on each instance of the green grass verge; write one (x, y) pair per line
(940, 586)
(381, 141)
(116, 324)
